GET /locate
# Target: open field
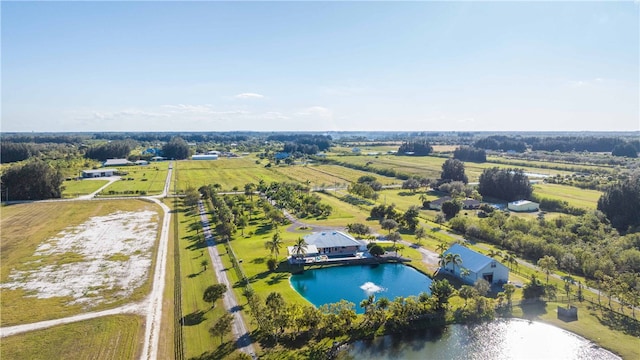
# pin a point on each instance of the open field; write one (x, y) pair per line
(550, 165)
(60, 259)
(582, 198)
(111, 337)
(75, 188)
(321, 176)
(431, 167)
(228, 172)
(139, 180)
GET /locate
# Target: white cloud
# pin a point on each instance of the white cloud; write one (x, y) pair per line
(316, 111)
(249, 96)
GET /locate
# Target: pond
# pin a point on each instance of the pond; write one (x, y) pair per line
(500, 339)
(355, 283)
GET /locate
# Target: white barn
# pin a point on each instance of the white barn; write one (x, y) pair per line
(87, 174)
(523, 205)
(204, 157)
(479, 266)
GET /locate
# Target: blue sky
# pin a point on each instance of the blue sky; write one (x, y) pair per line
(221, 66)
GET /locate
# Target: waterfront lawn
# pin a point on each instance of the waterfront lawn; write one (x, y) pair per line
(110, 337)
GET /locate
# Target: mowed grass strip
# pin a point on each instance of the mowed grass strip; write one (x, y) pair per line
(75, 188)
(24, 228)
(582, 198)
(198, 316)
(228, 172)
(110, 337)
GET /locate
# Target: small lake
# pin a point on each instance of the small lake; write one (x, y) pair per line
(355, 283)
(500, 339)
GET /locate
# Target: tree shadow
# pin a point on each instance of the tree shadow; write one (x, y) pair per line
(194, 318)
(533, 310)
(221, 352)
(191, 276)
(617, 321)
(277, 278)
(258, 260)
(263, 229)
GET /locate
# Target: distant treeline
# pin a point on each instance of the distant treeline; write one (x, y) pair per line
(305, 143)
(112, 150)
(619, 146)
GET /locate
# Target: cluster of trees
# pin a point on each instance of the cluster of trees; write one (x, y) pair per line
(323, 142)
(453, 170)
(415, 148)
(561, 144)
(296, 198)
(505, 184)
(556, 205)
(289, 322)
(177, 148)
(469, 153)
(12, 152)
(366, 186)
(117, 149)
(621, 204)
(390, 218)
(585, 245)
(625, 149)
(35, 180)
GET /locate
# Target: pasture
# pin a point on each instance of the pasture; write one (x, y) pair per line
(64, 258)
(139, 180)
(582, 198)
(75, 188)
(111, 337)
(327, 176)
(228, 172)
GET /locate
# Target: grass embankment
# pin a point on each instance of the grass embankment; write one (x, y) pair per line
(75, 188)
(110, 337)
(24, 228)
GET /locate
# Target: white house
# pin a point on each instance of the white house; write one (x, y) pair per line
(334, 243)
(479, 266)
(97, 173)
(523, 205)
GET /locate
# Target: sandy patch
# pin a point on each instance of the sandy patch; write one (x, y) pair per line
(110, 257)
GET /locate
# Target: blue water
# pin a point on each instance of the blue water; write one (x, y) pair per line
(355, 283)
(501, 339)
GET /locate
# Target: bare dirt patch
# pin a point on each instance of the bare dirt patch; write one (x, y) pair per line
(99, 261)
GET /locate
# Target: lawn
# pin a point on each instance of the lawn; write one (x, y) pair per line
(27, 226)
(75, 188)
(139, 180)
(110, 337)
(228, 172)
(582, 198)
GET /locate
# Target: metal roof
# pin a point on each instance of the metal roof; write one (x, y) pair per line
(327, 239)
(471, 260)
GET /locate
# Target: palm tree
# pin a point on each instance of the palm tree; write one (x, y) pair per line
(394, 236)
(548, 264)
(568, 281)
(274, 245)
(204, 264)
(493, 253)
(300, 248)
(366, 303)
(442, 247)
(464, 272)
(453, 259)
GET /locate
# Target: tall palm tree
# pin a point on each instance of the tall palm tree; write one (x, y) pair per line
(274, 245)
(300, 247)
(453, 259)
(548, 264)
(464, 272)
(493, 253)
(441, 247)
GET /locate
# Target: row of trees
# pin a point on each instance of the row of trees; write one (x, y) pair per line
(35, 180)
(506, 184)
(415, 148)
(296, 198)
(110, 150)
(469, 153)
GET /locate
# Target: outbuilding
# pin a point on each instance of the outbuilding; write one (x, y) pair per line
(204, 157)
(474, 266)
(523, 206)
(88, 174)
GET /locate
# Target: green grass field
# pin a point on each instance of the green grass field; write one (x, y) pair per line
(582, 198)
(24, 228)
(75, 188)
(150, 179)
(228, 172)
(110, 337)
(329, 175)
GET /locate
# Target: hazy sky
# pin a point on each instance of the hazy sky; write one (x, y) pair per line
(220, 66)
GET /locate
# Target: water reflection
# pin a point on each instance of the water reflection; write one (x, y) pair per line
(502, 339)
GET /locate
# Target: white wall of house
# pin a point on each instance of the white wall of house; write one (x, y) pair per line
(523, 205)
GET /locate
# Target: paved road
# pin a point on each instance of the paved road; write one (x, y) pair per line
(240, 332)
